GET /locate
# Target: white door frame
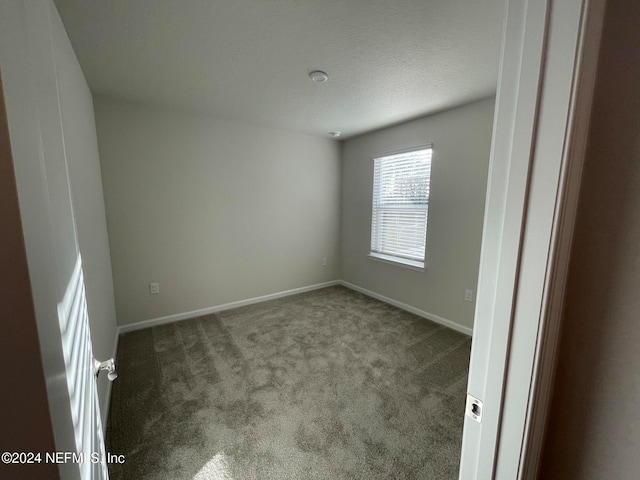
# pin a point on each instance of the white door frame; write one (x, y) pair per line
(543, 105)
(549, 53)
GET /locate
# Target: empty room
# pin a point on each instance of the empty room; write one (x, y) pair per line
(236, 219)
(291, 239)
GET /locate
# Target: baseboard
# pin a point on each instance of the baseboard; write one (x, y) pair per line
(421, 313)
(241, 303)
(154, 322)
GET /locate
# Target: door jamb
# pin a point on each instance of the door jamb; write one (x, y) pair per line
(540, 132)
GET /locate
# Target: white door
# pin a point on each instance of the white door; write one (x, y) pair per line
(81, 378)
(33, 52)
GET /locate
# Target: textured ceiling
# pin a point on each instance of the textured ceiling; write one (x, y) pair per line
(249, 60)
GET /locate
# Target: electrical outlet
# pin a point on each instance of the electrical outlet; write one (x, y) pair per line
(468, 295)
(324, 262)
(154, 288)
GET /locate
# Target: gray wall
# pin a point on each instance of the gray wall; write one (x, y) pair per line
(215, 211)
(461, 142)
(593, 430)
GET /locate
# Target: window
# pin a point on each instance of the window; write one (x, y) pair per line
(400, 206)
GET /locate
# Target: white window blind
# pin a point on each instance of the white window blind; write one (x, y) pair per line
(400, 205)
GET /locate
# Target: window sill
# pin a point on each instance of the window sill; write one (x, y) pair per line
(401, 262)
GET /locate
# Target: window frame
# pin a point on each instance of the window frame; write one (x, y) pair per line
(390, 258)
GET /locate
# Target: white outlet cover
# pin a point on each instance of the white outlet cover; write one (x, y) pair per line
(154, 288)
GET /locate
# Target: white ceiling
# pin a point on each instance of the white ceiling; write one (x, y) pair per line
(249, 60)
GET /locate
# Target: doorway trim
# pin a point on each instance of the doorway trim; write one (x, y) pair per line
(543, 106)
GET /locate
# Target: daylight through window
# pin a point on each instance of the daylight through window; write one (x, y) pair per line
(400, 206)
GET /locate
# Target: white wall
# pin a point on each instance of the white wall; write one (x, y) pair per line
(215, 211)
(593, 431)
(83, 164)
(461, 142)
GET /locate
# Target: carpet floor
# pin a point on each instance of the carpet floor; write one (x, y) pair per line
(329, 384)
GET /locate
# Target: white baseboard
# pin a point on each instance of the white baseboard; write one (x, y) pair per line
(241, 303)
(154, 322)
(421, 313)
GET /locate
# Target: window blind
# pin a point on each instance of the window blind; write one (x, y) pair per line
(400, 204)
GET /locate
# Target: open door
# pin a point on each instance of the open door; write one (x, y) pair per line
(81, 374)
(34, 57)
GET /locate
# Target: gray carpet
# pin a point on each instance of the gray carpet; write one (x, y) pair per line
(329, 384)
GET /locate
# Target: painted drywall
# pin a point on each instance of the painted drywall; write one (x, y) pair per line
(593, 430)
(214, 211)
(83, 165)
(387, 60)
(461, 141)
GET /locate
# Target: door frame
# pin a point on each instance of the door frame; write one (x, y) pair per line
(542, 116)
(543, 105)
